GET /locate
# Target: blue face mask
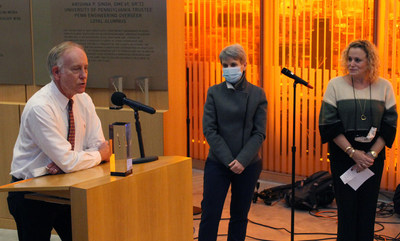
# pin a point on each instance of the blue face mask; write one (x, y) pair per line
(232, 74)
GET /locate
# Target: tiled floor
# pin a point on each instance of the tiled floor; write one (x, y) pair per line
(275, 218)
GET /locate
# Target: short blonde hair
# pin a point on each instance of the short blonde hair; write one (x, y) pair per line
(234, 51)
(372, 58)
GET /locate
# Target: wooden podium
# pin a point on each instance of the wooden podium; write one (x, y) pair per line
(153, 203)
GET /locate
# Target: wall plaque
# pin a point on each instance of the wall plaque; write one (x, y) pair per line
(15, 42)
(121, 38)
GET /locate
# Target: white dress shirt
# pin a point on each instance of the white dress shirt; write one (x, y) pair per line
(43, 134)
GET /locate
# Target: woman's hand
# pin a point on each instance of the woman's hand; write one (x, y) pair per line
(236, 167)
(362, 160)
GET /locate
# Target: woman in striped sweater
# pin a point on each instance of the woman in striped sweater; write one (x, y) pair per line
(358, 119)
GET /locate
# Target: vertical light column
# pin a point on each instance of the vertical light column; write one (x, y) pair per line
(388, 40)
(210, 26)
(174, 118)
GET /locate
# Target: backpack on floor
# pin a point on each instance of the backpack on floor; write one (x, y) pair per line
(313, 192)
(272, 194)
(396, 200)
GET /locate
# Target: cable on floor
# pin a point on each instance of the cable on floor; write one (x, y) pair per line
(330, 214)
(384, 210)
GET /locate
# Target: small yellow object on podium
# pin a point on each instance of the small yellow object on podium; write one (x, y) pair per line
(120, 167)
(120, 140)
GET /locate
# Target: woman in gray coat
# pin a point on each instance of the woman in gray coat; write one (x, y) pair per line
(234, 124)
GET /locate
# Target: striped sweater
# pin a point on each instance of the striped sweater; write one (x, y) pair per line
(343, 106)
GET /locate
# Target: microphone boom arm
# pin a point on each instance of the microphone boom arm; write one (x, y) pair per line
(297, 80)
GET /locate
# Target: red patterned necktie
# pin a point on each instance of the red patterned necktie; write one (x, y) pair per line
(71, 122)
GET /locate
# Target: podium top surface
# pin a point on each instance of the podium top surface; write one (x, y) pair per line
(91, 177)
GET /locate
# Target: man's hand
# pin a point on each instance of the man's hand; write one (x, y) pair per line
(104, 150)
(236, 167)
(53, 169)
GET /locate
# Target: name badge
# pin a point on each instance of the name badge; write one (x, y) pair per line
(368, 138)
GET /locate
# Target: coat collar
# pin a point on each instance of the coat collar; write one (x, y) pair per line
(240, 85)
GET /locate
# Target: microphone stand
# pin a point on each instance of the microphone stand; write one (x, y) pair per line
(142, 158)
(297, 80)
(293, 163)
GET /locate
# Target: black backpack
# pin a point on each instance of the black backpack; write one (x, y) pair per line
(272, 194)
(313, 192)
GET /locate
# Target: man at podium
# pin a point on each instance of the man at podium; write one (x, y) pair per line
(60, 132)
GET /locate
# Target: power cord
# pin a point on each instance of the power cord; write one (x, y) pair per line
(385, 210)
(330, 214)
(387, 238)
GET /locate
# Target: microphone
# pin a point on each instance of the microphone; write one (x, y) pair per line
(119, 99)
(297, 79)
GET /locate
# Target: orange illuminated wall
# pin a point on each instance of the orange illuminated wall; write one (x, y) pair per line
(210, 26)
(388, 40)
(306, 38)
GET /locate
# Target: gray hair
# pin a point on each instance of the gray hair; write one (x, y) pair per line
(234, 51)
(54, 55)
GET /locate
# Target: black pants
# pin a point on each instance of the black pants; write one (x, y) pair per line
(35, 219)
(217, 179)
(356, 209)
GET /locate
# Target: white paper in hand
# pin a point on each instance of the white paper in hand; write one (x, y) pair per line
(356, 179)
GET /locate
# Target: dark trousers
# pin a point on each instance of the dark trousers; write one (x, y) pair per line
(35, 219)
(217, 179)
(356, 209)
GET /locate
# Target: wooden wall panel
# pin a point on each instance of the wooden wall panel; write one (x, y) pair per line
(9, 128)
(12, 93)
(151, 125)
